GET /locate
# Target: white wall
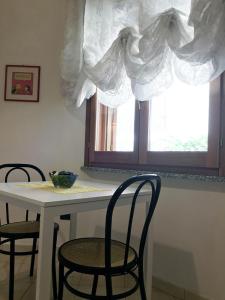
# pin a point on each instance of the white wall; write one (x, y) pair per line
(190, 218)
(45, 133)
(190, 238)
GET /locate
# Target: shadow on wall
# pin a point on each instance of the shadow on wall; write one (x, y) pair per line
(175, 266)
(170, 264)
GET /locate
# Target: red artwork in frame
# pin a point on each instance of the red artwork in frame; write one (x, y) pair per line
(22, 83)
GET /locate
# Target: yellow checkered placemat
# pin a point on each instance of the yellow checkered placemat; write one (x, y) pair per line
(48, 186)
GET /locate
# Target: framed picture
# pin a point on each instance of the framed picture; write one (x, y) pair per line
(22, 83)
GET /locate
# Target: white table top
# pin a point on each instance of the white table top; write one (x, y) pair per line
(46, 198)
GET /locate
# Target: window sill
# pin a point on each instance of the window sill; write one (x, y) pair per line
(170, 175)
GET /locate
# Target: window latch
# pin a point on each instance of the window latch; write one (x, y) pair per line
(139, 105)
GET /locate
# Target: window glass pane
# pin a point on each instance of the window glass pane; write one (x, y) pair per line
(178, 119)
(115, 127)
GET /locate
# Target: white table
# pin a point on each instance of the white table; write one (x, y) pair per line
(50, 205)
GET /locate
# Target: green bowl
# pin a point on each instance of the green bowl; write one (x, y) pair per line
(63, 179)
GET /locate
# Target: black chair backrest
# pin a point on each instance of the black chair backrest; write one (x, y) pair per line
(154, 182)
(25, 169)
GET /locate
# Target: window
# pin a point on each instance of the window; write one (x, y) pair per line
(179, 131)
(178, 119)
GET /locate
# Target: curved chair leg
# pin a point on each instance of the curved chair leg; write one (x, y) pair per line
(11, 271)
(33, 257)
(141, 283)
(54, 282)
(109, 292)
(61, 281)
(95, 285)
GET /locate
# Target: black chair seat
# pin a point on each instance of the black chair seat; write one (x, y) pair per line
(89, 253)
(24, 229)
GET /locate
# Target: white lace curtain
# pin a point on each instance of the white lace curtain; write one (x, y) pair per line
(138, 46)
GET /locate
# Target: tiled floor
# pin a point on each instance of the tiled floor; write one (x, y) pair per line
(25, 286)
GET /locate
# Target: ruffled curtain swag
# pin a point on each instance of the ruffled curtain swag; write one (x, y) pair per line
(129, 46)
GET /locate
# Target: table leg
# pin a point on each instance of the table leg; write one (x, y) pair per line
(148, 259)
(73, 226)
(44, 283)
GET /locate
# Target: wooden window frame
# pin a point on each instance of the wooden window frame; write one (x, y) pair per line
(206, 163)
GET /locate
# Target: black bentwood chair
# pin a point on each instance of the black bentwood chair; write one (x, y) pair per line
(107, 257)
(11, 232)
